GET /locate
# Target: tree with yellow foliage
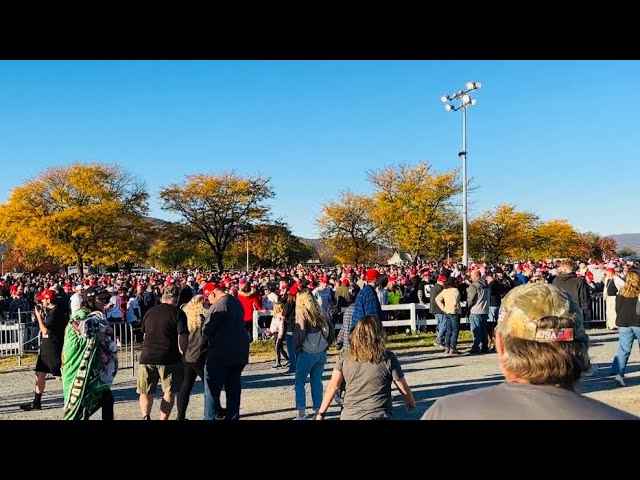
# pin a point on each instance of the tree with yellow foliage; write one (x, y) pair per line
(556, 238)
(413, 205)
(349, 228)
(78, 213)
(502, 234)
(215, 210)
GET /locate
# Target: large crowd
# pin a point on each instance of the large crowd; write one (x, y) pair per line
(199, 323)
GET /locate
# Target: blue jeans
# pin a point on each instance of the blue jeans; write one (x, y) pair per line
(626, 337)
(451, 330)
(291, 351)
(209, 407)
(310, 364)
(440, 328)
(478, 324)
(493, 314)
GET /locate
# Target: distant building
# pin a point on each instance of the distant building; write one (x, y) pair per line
(399, 259)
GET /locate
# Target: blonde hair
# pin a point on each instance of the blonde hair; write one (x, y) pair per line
(367, 342)
(195, 311)
(308, 311)
(632, 285)
(277, 308)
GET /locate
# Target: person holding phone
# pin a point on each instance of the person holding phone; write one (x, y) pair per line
(52, 322)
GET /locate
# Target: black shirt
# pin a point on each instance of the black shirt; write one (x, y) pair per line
(161, 326)
(226, 334)
(56, 321)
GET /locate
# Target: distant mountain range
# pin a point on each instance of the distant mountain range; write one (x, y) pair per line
(627, 240)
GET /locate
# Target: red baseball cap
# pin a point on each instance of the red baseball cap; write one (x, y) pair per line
(371, 274)
(48, 294)
(208, 289)
(293, 290)
(392, 279)
(442, 278)
(610, 270)
(323, 280)
(345, 281)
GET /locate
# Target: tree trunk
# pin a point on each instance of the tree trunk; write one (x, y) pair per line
(80, 265)
(219, 262)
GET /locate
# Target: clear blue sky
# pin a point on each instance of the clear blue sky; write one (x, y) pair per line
(555, 137)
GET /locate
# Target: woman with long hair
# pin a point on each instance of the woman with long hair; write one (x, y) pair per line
(312, 335)
(368, 370)
(196, 352)
(628, 322)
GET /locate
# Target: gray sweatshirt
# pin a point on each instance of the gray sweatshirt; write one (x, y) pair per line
(478, 297)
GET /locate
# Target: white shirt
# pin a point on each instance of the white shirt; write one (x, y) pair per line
(114, 311)
(76, 302)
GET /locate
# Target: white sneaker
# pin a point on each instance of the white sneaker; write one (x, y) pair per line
(301, 418)
(620, 380)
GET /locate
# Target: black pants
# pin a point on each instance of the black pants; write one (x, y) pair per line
(191, 372)
(229, 377)
(106, 402)
(280, 352)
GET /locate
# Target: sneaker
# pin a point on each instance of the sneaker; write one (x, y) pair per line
(619, 379)
(277, 365)
(27, 407)
(302, 418)
(338, 399)
(286, 364)
(147, 417)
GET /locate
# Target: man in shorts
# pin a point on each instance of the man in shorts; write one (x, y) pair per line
(165, 339)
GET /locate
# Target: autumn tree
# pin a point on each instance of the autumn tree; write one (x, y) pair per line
(556, 239)
(78, 213)
(626, 252)
(273, 245)
(215, 210)
(170, 251)
(349, 227)
(592, 245)
(501, 234)
(412, 203)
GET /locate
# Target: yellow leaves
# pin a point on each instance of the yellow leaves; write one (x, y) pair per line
(75, 212)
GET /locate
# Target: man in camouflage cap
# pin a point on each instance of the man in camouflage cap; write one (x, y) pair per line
(542, 348)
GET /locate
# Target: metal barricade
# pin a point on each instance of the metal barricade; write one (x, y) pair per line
(598, 308)
(123, 335)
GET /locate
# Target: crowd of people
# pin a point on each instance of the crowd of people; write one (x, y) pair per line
(200, 323)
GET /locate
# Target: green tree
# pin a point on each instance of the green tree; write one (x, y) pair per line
(216, 210)
(627, 251)
(78, 213)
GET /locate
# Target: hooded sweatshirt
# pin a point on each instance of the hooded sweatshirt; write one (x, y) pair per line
(478, 297)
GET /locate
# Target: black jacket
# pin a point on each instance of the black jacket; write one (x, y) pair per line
(227, 337)
(434, 308)
(576, 288)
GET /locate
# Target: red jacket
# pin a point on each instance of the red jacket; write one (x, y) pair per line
(249, 302)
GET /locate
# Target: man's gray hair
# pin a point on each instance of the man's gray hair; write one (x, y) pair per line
(171, 292)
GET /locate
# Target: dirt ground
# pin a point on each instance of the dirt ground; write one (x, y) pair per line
(268, 393)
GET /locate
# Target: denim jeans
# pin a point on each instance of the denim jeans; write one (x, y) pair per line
(493, 314)
(440, 328)
(310, 364)
(215, 378)
(209, 407)
(478, 324)
(291, 351)
(626, 337)
(451, 330)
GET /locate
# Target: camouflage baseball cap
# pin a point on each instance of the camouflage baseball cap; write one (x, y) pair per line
(524, 306)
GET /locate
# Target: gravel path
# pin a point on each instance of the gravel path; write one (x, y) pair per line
(268, 394)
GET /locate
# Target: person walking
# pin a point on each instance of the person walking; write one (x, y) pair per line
(196, 352)
(368, 369)
(166, 336)
(312, 336)
(628, 324)
(89, 359)
(227, 354)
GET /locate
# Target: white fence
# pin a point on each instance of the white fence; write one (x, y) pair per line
(418, 316)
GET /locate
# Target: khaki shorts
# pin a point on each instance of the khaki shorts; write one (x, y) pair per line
(169, 376)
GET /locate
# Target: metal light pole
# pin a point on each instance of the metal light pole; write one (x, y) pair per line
(247, 253)
(465, 102)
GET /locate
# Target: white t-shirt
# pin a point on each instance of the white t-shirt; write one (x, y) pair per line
(132, 306)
